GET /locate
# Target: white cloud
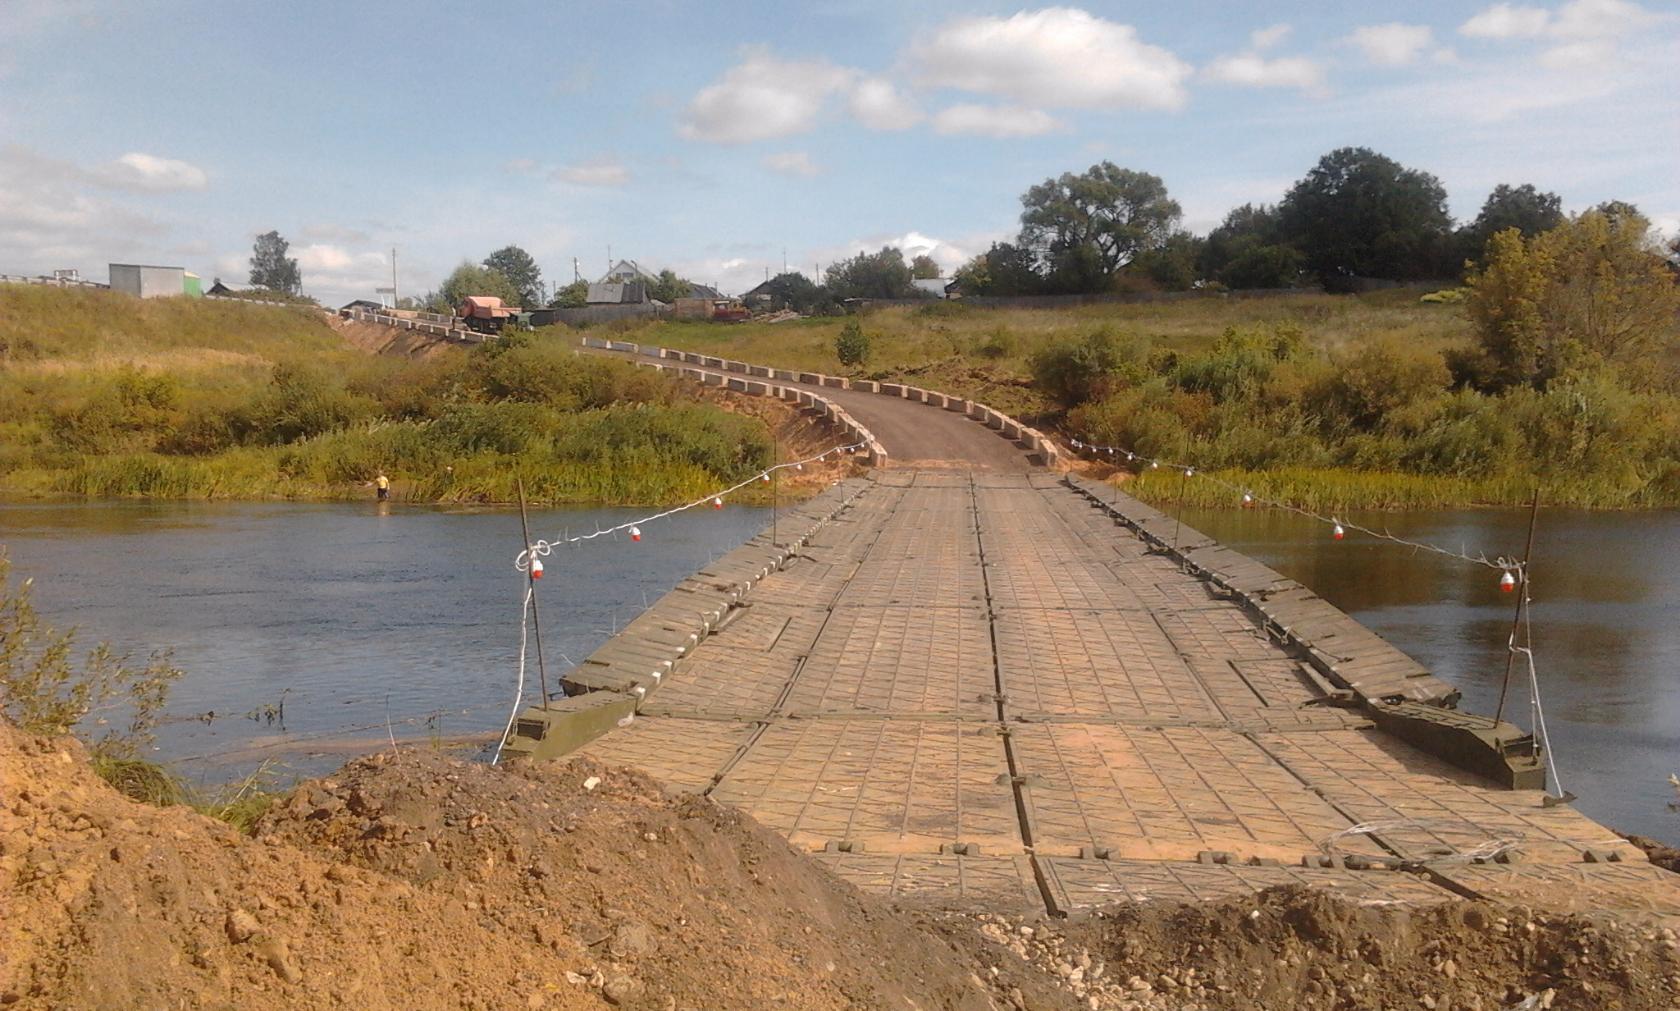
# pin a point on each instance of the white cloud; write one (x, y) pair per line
(1507, 21)
(1393, 44)
(326, 232)
(1582, 33)
(331, 267)
(1002, 121)
(791, 163)
(763, 97)
(879, 105)
(149, 173)
(48, 220)
(1058, 57)
(599, 172)
(1251, 70)
(1262, 39)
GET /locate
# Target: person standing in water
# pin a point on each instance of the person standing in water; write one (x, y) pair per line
(383, 484)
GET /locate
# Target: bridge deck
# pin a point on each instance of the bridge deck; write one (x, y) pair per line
(975, 689)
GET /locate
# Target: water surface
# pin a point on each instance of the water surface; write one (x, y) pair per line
(355, 615)
(1606, 621)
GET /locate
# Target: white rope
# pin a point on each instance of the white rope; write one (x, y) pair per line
(542, 548)
(519, 690)
(1543, 737)
(1248, 495)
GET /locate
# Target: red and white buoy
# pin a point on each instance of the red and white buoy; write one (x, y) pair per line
(1507, 582)
(765, 477)
(635, 533)
(1248, 499)
(536, 568)
(717, 503)
(1337, 533)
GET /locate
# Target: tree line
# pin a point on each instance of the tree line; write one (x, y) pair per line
(1357, 216)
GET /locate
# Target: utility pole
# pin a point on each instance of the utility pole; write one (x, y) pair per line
(395, 301)
(576, 276)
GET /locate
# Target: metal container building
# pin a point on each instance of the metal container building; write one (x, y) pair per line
(148, 281)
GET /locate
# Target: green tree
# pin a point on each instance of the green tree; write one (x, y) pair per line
(1523, 207)
(1359, 214)
(521, 272)
(1591, 292)
(1004, 269)
(793, 290)
(1248, 250)
(1087, 226)
(472, 279)
(1171, 266)
(271, 268)
(870, 275)
(668, 287)
(1077, 371)
(852, 345)
(924, 268)
(572, 296)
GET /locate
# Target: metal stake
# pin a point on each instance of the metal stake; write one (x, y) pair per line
(531, 581)
(1522, 602)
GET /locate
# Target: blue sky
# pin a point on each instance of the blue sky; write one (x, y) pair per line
(709, 138)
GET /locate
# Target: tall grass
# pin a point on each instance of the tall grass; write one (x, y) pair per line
(109, 396)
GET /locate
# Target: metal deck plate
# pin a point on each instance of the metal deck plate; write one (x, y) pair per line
(950, 882)
(895, 786)
(899, 660)
(1425, 808)
(1082, 885)
(1629, 890)
(683, 754)
(1166, 794)
(1095, 663)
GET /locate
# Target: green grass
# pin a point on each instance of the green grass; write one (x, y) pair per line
(1328, 398)
(105, 396)
(138, 779)
(239, 804)
(983, 353)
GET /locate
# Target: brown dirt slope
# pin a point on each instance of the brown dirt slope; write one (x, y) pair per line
(384, 340)
(418, 881)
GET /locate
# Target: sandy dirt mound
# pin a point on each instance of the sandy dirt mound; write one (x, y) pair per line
(376, 338)
(1302, 948)
(419, 881)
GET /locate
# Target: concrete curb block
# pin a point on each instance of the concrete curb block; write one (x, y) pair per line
(1041, 447)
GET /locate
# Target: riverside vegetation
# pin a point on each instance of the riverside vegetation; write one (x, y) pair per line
(103, 396)
(1556, 366)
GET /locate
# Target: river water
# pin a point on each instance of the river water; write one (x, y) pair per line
(366, 620)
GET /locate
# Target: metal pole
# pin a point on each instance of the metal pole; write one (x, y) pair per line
(775, 497)
(531, 580)
(1522, 601)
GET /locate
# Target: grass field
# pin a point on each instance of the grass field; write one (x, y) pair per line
(1324, 398)
(103, 395)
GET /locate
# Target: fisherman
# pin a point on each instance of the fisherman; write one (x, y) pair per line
(383, 483)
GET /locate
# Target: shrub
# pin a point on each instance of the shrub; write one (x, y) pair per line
(1074, 372)
(852, 346)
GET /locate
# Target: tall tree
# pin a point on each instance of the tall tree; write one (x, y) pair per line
(1171, 266)
(1088, 226)
(792, 290)
(1247, 250)
(924, 268)
(668, 287)
(472, 279)
(521, 271)
(1360, 214)
(271, 268)
(1591, 292)
(871, 275)
(1524, 208)
(1004, 269)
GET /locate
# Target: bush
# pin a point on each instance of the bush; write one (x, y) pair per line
(1074, 372)
(852, 345)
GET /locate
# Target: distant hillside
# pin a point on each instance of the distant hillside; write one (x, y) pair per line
(82, 324)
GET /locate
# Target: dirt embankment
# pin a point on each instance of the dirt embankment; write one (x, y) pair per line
(376, 338)
(413, 880)
(418, 881)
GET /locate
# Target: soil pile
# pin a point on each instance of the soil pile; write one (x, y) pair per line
(415, 880)
(1295, 947)
(418, 881)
